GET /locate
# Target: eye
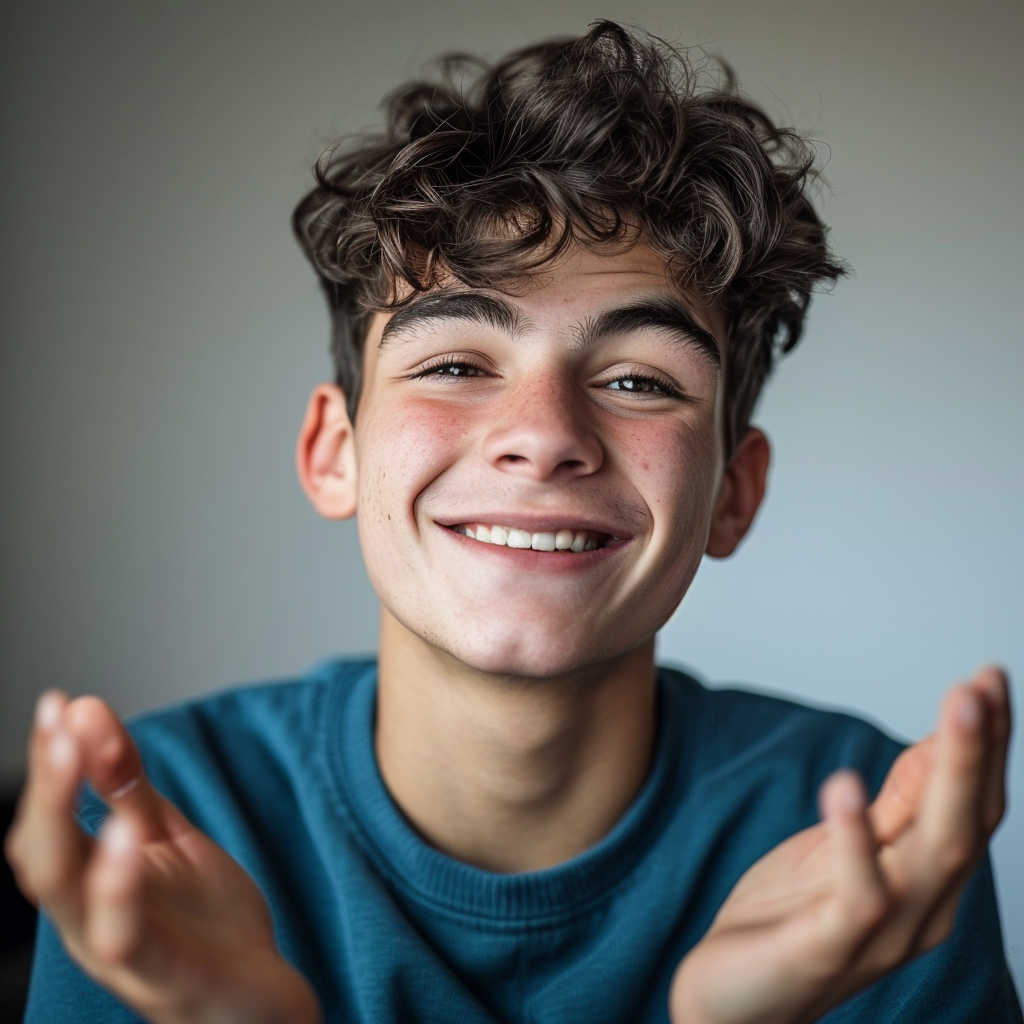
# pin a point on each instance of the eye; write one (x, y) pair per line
(639, 384)
(449, 368)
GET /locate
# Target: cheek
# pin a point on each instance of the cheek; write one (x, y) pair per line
(674, 466)
(401, 451)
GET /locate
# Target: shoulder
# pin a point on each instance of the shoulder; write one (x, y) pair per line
(254, 740)
(744, 731)
(263, 709)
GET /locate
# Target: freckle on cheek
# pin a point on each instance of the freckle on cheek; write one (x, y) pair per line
(431, 431)
(441, 424)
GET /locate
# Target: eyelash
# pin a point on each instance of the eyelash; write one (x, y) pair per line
(448, 363)
(660, 383)
(445, 363)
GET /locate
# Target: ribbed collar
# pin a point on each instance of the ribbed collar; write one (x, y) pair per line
(509, 901)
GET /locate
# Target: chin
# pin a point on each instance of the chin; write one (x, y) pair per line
(535, 657)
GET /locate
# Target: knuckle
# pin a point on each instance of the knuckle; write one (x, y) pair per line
(957, 854)
(23, 876)
(113, 950)
(13, 845)
(862, 912)
(835, 926)
(848, 917)
(111, 754)
(21, 863)
(47, 878)
(995, 812)
(114, 940)
(82, 709)
(873, 907)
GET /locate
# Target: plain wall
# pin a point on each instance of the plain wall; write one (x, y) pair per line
(160, 334)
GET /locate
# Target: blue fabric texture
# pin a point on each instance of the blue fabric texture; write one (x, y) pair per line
(390, 931)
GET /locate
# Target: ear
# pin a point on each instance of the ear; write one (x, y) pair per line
(740, 494)
(325, 454)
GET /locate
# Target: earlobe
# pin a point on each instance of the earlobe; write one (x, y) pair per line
(740, 495)
(325, 455)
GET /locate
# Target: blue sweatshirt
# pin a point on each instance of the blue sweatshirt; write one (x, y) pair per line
(388, 930)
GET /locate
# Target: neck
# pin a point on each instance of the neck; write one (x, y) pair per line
(506, 773)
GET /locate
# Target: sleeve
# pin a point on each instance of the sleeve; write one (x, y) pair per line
(963, 981)
(60, 990)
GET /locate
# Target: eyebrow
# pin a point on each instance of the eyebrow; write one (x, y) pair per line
(473, 306)
(661, 314)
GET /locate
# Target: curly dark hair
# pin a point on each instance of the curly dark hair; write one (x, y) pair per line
(488, 172)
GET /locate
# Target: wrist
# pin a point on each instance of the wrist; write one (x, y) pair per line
(265, 993)
(293, 1001)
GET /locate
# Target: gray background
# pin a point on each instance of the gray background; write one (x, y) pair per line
(160, 333)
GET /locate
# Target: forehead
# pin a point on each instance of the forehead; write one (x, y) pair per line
(582, 265)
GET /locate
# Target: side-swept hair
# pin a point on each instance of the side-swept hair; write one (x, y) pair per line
(489, 172)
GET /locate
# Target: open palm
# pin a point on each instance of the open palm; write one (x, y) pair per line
(837, 905)
(154, 910)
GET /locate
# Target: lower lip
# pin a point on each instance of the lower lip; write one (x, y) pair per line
(542, 561)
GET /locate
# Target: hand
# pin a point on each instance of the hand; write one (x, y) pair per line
(838, 905)
(154, 910)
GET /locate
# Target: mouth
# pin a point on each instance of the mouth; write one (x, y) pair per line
(565, 540)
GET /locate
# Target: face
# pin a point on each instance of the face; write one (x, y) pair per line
(535, 474)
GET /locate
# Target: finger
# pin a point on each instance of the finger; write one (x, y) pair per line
(46, 848)
(45, 722)
(992, 684)
(897, 803)
(114, 769)
(113, 923)
(49, 709)
(861, 898)
(24, 834)
(951, 827)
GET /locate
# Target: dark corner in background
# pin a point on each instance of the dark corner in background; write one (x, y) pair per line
(17, 929)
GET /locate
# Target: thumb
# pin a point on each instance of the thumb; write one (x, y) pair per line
(113, 768)
(896, 806)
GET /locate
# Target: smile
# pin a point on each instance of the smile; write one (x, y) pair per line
(572, 541)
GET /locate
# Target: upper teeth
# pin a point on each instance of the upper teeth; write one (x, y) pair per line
(510, 536)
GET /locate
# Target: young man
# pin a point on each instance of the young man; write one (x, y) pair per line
(557, 290)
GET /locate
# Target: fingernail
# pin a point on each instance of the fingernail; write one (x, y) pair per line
(842, 793)
(61, 751)
(851, 799)
(993, 680)
(968, 712)
(48, 709)
(125, 789)
(118, 838)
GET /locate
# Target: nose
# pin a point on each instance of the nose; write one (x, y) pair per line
(543, 432)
